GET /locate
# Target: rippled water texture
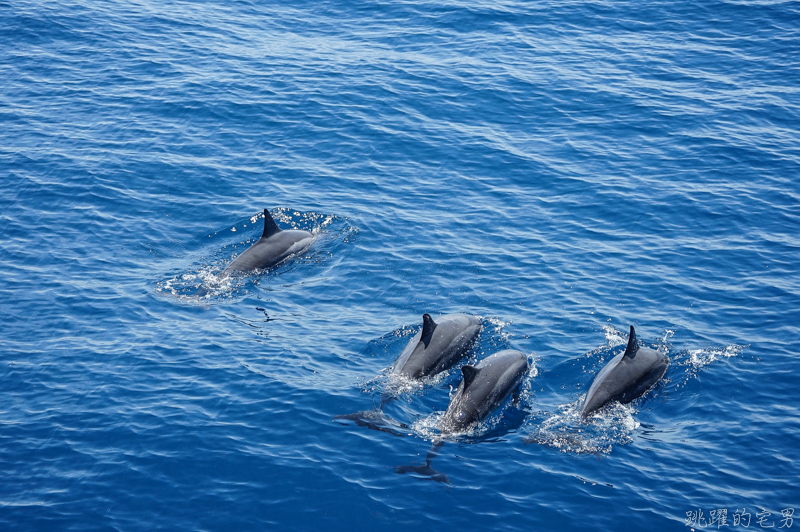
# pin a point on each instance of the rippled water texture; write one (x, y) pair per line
(561, 170)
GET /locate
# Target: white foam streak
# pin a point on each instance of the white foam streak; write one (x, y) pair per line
(568, 432)
(614, 337)
(699, 358)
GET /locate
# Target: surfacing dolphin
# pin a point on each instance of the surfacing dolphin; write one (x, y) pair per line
(485, 387)
(626, 377)
(274, 245)
(435, 348)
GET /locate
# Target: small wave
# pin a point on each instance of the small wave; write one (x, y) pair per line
(569, 432)
(614, 337)
(494, 337)
(699, 358)
(696, 360)
(496, 327)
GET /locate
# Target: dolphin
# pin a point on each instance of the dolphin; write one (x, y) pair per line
(435, 348)
(626, 377)
(485, 387)
(274, 245)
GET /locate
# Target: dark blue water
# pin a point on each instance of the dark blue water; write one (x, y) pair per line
(561, 169)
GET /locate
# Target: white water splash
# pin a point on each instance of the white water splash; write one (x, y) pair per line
(526, 394)
(200, 285)
(699, 358)
(496, 327)
(569, 432)
(402, 385)
(614, 337)
(429, 427)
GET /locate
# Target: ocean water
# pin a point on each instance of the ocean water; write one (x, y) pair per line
(560, 169)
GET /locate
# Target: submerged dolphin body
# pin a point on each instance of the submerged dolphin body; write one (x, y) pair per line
(485, 387)
(626, 377)
(274, 245)
(435, 348)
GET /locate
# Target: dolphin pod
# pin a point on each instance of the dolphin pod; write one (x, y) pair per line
(439, 345)
(274, 245)
(488, 384)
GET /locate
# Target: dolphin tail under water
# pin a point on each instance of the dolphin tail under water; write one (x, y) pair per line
(425, 470)
(202, 291)
(376, 420)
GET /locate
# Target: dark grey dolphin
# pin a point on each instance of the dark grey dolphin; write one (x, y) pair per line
(485, 387)
(435, 348)
(274, 245)
(626, 377)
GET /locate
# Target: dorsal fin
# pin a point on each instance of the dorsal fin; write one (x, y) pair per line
(428, 325)
(270, 227)
(633, 346)
(469, 373)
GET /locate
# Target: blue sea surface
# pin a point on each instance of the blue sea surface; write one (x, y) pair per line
(562, 170)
